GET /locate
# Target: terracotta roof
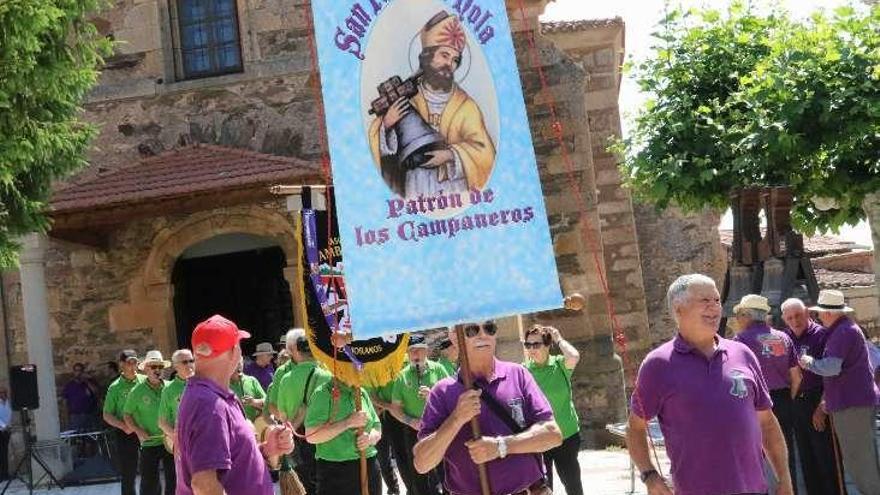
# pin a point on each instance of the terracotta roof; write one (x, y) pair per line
(830, 279)
(817, 245)
(185, 171)
(580, 25)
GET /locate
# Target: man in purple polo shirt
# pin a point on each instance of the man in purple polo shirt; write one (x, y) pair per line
(814, 443)
(850, 392)
(779, 363)
(712, 403)
(261, 367)
(81, 396)
(218, 452)
(509, 445)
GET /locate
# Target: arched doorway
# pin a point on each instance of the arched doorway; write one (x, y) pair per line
(237, 275)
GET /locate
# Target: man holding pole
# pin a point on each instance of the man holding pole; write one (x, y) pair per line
(509, 416)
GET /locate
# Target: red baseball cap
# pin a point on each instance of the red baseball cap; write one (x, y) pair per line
(215, 336)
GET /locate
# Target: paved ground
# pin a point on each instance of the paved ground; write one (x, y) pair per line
(605, 472)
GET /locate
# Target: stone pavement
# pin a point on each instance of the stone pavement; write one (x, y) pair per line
(604, 472)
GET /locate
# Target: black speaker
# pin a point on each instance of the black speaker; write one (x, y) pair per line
(23, 386)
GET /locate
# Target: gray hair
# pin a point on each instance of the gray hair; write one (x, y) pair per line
(754, 314)
(292, 336)
(678, 290)
(792, 302)
(175, 357)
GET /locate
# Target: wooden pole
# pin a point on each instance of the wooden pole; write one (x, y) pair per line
(464, 370)
(365, 482)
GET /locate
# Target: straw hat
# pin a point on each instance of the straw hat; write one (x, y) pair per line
(264, 348)
(153, 357)
(831, 301)
(752, 301)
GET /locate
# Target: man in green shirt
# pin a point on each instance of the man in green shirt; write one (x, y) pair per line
(291, 340)
(408, 398)
(184, 366)
(332, 428)
(449, 356)
(294, 394)
(553, 372)
(142, 416)
(127, 445)
(390, 447)
(249, 392)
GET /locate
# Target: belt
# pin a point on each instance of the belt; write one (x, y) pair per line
(537, 488)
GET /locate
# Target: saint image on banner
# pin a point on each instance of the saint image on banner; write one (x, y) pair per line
(429, 136)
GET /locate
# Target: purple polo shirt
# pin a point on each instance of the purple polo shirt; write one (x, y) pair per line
(79, 397)
(514, 388)
(854, 386)
(213, 434)
(775, 351)
(263, 375)
(811, 343)
(707, 412)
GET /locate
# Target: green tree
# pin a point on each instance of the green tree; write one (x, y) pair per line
(49, 59)
(749, 97)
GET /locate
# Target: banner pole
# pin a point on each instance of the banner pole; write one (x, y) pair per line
(464, 370)
(358, 406)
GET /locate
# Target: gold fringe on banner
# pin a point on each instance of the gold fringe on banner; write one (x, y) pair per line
(374, 373)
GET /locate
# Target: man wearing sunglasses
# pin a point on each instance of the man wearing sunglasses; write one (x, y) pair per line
(142, 416)
(184, 366)
(515, 419)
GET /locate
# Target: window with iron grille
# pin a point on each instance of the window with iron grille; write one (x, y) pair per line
(208, 40)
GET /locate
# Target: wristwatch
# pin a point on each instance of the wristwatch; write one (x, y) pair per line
(646, 475)
(502, 447)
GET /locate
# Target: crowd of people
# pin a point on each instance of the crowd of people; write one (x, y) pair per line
(206, 420)
(734, 411)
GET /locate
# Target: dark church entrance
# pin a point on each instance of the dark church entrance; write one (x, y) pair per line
(246, 286)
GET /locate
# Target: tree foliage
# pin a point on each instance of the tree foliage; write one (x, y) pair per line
(49, 59)
(751, 97)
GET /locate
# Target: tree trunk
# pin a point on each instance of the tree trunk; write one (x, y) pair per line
(871, 206)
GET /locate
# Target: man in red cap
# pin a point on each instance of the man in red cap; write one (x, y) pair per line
(218, 452)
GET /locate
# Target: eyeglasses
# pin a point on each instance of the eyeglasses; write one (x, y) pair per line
(472, 330)
(186, 361)
(533, 345)
(157, 367)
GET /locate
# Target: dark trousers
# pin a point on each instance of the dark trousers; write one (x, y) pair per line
(337, 478)
(305, 468)
(423, 484)
(565, 458)
(385, 455)
(4, 454)
(815, 448)
(127, 455)
(399, 449)
(783, 409)
(151, 458)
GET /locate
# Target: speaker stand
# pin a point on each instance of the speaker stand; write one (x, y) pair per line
(30, 455)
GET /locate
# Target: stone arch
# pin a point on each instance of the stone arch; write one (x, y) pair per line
(150, 301)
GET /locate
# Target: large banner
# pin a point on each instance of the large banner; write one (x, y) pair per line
(440, 207)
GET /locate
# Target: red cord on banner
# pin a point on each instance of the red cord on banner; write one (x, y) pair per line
(618, 335)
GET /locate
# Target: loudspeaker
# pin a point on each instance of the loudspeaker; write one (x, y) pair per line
(23, 385)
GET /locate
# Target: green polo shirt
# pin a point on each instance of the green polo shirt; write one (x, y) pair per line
(451, 367)
(248, 385)
(142, 405)
(341, 448)
(406, 387)
(293, 394)
(170, 401)
(280, 373)
(117, 392)
(554, 379)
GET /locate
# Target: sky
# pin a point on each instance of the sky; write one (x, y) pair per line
(640, 17)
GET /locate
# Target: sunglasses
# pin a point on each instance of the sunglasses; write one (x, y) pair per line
(156, 367)
(472, 330)
(533, 345)
(186, 361)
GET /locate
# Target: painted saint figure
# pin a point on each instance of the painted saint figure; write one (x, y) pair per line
(464, 158)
